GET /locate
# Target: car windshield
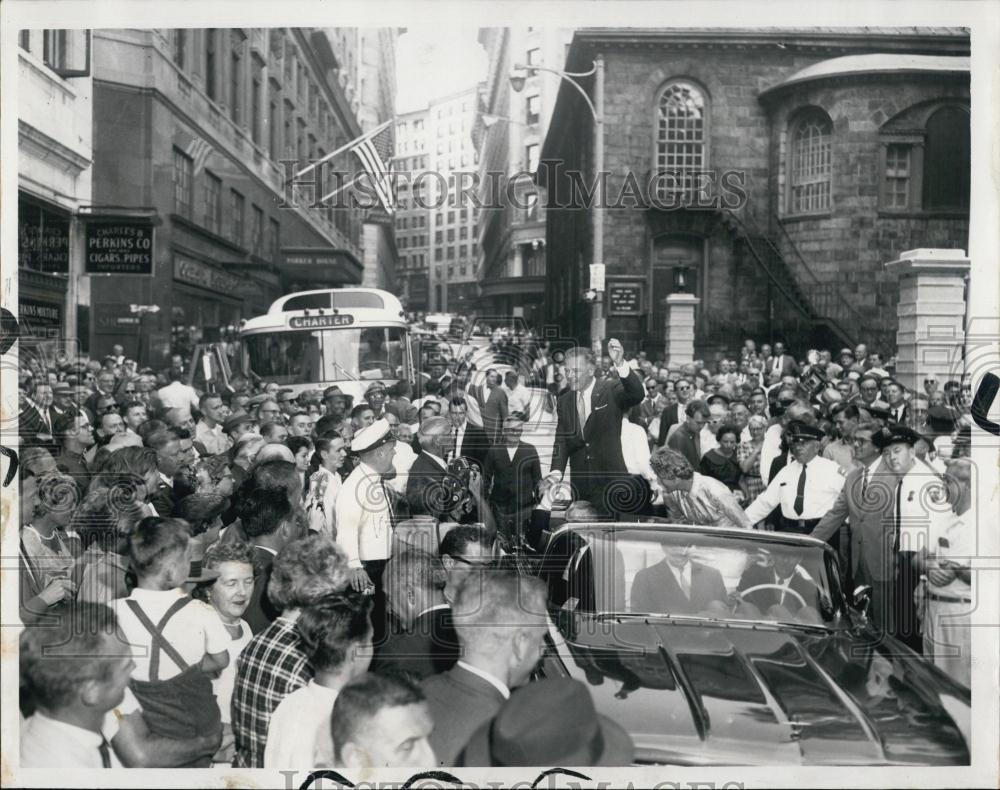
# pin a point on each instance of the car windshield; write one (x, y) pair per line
(681, 573)
(315, 356)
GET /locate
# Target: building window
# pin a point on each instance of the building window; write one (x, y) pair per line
(438, 236)
(213, 202)
(947, 160)
(24, 40)
(534, 57)
(255, 119)
(54, 49)
(183, 183)
(275, 241)
(211, 65)
(811, 168)
(534, 109)
(451, 234)
(531, 157)
(180, 48)
(272, 131)
(437, 254)
(897, 176)
(463, 232)
(681, 131)
(237, 211)
(257, 231)
(235, 86)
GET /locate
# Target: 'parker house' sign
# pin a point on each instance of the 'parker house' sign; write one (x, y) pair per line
(119, 246)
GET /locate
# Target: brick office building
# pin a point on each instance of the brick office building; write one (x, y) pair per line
(823, 154)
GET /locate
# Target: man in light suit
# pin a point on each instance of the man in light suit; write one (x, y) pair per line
(677, 585)
(866, 500)
(589, 428)
(501, 621)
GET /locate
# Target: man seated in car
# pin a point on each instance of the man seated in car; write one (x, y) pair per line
(786, 590)
(677, 584)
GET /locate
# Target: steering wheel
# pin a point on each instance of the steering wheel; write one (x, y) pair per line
(741, 594)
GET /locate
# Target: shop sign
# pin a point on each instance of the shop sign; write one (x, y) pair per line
(43, 239)
(112, 317)
(189, 270)
(625, 299)
(319, 321)
(119, 246)
(35, 314)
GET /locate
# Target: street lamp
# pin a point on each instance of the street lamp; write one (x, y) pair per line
(518, 76)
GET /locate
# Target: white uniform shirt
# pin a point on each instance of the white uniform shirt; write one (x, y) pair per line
(364, 519)
(915, 514)
(177, 396)
(950, 537)
(824, 481)
(402, 460)
(769, 450)
(298, 733)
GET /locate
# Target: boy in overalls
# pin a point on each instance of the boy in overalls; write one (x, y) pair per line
(178, 643)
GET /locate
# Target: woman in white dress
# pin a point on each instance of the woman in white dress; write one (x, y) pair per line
(323, 482)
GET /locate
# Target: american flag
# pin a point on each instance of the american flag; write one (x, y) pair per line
(375, 152)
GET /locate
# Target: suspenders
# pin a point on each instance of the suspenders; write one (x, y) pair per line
(156, 631)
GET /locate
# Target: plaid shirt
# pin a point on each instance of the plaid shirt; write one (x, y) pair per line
(270, 668)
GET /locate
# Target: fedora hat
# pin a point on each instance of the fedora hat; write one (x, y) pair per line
(549, 722)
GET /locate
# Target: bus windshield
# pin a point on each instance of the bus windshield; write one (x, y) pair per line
(322, 355)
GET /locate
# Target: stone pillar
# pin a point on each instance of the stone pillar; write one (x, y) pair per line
(680, 328)
(931, 314)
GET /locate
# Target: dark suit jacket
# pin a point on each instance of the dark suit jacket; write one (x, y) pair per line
(31, 426)
(460, 702)
(494, 413)
(475, 444)
(261, 612)
(669, 416)
(656, 590)
(163, 500)
(872, 522)
(765, 599)
(684, 443)
(511, 483)
(789, 367)
(428, 647)
(907, 416)
(424, 473)
(595, 449)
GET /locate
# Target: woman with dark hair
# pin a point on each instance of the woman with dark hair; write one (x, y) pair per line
(47, 551)
(322, 484)
(302, 451)
(104, 524)
(720, 462)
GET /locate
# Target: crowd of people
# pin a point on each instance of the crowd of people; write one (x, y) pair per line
(295, 580)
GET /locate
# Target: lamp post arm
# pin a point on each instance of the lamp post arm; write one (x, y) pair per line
(569, 77)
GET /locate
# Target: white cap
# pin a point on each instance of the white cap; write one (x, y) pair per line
(379, 432)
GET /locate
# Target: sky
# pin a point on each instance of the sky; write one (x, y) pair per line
(431, 62)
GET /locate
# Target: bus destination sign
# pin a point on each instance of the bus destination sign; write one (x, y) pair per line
(319, 321)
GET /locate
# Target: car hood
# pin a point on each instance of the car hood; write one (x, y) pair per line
(697, 693)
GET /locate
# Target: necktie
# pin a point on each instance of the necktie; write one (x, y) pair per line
(800, 493)
(895, 415)
(388, 503)
(105, 750)
(581, 410)
(864, 484)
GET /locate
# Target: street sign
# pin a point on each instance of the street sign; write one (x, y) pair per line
(597, 276)
(625, 298)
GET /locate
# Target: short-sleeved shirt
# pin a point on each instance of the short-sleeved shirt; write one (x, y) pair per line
(951, 538)
(223, 685)
(299, 733)
(824, 481)
(193, 631)
(270, 668)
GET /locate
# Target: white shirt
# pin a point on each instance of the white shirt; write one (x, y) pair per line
(494, 681)
(298, 734)
(48, 743)
(402, 460)
(708, 440)
(769, 450)
(223, 685)
(635, 451)
(950, 537)
(178, 396)
(364, 518)
(518, 399)
(915, 518)
(213, 439)
(824, 481)
(321, 500)
(194, 631)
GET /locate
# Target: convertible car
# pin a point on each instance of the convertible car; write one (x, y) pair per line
(738, 647)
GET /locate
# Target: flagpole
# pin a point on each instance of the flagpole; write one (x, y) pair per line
(344, 147)
(337, 191)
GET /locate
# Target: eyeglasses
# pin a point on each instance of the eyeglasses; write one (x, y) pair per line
(857, 441)
(477, 563)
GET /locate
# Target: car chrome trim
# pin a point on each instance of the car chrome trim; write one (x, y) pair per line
(699, 714)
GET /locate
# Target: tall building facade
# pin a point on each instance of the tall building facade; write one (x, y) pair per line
(55, 172)
(196, 134)
(770, 173)
(434, 147)
(508, 133)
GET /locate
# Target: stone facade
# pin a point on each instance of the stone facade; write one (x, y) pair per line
(827, 280)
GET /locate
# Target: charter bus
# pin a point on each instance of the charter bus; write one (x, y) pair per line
(309, 340)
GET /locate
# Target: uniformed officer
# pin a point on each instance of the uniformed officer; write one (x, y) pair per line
(364, 511)
(915, 484)
(805, 488)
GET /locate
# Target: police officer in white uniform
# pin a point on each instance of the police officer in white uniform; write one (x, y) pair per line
(364, 510)
(805, 488)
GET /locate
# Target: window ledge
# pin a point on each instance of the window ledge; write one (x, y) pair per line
(180, 219)
(803, 217)
(921, 214)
